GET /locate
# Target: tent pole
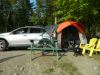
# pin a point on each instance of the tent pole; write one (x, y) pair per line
(55, 20)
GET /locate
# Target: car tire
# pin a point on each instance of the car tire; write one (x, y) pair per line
(3, 45)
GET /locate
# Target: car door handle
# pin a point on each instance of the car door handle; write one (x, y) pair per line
(41, 35)
(24, 35)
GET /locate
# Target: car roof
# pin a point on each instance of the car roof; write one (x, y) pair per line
(33, 27)
(29, 27)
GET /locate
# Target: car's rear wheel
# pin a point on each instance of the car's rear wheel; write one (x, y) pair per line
(3, 45)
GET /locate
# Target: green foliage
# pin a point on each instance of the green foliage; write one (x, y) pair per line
(83, 11)
(14, 13)
(42, 15)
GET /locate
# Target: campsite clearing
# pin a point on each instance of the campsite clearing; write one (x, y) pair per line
(19, 63)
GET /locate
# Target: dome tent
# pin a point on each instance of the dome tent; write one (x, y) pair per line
(70, 31)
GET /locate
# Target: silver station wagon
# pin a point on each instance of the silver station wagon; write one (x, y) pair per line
(21, 37)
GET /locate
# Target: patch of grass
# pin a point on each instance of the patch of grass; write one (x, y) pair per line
(69, 68)
(50, 70)
(66, 67)
(96, 57)
(50, 66)
(1, 71)
(98, 70)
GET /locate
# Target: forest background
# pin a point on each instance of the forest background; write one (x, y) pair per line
(18, 13)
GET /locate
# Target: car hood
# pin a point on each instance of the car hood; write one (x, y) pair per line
(4, 34)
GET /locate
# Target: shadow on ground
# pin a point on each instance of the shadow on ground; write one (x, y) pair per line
(8, 58)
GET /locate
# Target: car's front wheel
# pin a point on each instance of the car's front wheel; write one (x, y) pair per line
(3, 45)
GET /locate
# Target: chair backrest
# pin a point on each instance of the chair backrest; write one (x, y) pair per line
(98, 44)
(92, 41)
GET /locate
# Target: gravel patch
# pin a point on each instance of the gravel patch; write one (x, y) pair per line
(19, 63)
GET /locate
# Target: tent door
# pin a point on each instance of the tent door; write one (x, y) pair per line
(69, 37)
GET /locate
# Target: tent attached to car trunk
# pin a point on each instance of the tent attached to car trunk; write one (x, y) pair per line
(70, 31)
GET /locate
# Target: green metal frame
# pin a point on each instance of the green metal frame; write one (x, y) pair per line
(54, 49)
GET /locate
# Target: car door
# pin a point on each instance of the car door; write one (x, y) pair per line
(35, 34)
(18, 37)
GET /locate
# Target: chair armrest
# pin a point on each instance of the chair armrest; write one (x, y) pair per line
(83, 45)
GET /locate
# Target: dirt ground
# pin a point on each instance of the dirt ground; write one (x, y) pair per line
(18, 62)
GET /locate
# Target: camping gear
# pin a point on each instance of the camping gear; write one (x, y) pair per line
(66, 35)
(45, 46)
(70, 31)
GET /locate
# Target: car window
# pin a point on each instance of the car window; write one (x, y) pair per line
(21, 31)
(36, 30)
